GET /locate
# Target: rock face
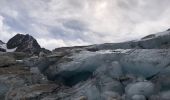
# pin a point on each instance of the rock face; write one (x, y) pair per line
(24, 43)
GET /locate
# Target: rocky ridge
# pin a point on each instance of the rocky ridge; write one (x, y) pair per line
(134, 70)
(23, 43)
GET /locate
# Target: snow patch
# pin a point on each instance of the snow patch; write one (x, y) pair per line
(7, 50)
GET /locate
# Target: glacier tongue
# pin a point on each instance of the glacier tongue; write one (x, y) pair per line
(106, 72)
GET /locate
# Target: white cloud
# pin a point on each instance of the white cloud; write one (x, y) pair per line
(51, 43)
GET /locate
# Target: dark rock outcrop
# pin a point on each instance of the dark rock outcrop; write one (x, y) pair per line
(2, 50)
(24, 43)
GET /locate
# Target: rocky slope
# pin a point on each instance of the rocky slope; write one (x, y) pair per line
(135, 70)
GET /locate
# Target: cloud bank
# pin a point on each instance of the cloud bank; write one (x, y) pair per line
(57, 23)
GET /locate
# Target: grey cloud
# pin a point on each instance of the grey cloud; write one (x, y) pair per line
(88, 21)
(21, 24)
(75, 25)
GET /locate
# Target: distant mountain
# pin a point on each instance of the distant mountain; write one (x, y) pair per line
(159, 40)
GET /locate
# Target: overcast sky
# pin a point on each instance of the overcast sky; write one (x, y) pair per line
(56, 23)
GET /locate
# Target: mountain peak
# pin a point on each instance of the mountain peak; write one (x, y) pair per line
(24, 43)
